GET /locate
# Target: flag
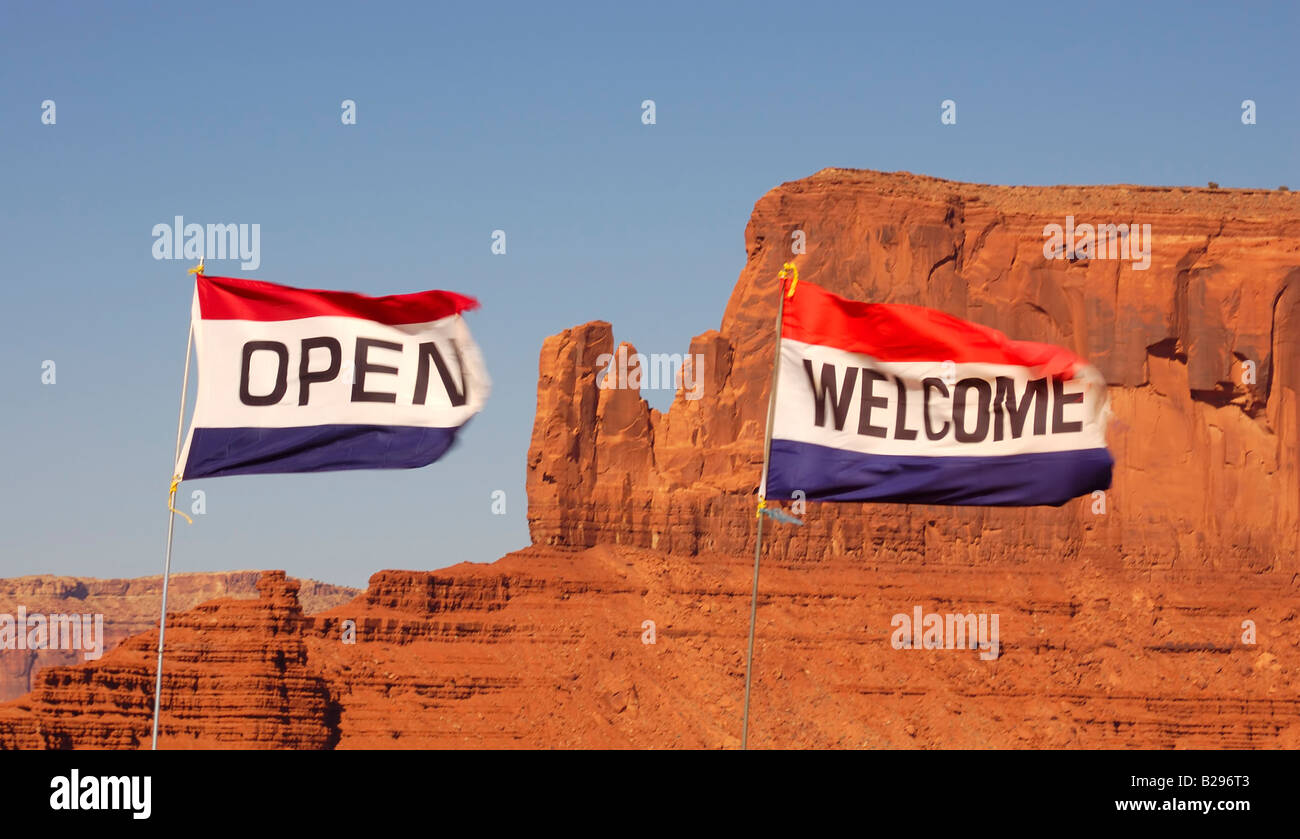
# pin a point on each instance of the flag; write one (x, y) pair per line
(892, 402)
(295, 380)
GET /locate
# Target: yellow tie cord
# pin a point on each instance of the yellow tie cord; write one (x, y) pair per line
(762, 505)
(197, 269)
(171, 500)
(791, 271)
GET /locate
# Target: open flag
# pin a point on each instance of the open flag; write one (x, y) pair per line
(293, 380)
(891, 402)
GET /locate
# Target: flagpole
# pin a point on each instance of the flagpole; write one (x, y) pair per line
(171, 523)
(789, 270)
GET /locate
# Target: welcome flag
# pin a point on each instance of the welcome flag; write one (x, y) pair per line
(293, 380)
(891, 402)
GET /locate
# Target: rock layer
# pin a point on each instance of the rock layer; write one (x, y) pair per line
(128, 606)
(235, 674)
(620, 646)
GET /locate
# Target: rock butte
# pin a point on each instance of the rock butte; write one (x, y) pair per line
(1122, 629)
(129, 606)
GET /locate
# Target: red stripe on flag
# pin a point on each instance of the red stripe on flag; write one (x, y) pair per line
(900, 332)
(232, 298)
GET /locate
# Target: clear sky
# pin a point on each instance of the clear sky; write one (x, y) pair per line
(516, 118)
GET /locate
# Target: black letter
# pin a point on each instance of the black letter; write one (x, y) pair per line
(1059, 425)
(361, 368)
(982, 411)
(869, 401)
(937, 384)
(841, 405)
(457, 396)
(305, 376)
(1035, 394)
(901, 431)
(281, 374)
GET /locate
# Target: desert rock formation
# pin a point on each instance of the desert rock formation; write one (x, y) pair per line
(551, 648)
(1207, 469)
(129, 606)
(1165, 616)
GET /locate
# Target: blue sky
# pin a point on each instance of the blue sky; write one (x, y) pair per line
(521, 119)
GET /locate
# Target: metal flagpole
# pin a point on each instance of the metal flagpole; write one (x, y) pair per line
(788, 270)
(171, 524)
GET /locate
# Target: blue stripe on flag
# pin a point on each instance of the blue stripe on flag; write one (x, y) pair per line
(828, 474)
(215, 452)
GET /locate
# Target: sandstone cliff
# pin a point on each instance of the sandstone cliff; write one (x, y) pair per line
(1207, 468)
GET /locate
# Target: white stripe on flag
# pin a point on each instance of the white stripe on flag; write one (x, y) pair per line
(796, 411)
